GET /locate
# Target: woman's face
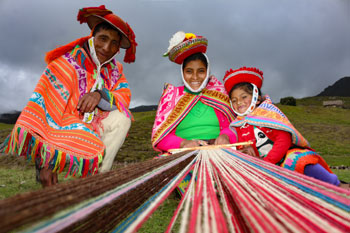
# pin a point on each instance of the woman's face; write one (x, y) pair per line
(241, 100)
(195, 73)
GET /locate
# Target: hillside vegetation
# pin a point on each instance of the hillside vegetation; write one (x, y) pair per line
(318, 100)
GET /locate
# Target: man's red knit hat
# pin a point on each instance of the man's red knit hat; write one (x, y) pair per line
(93, 16)
(241, 75)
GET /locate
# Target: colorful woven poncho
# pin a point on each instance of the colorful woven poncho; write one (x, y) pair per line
(50, 125)
(269, 116)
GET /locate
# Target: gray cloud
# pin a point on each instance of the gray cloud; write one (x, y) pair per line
(302, 46)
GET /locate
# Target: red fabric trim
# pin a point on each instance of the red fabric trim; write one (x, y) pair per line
(57, 52)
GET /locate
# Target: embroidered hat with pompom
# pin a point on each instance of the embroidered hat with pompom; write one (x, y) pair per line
(182, 45)
(242, 75)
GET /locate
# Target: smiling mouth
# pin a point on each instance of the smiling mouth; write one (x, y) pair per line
(241, 108)
(101, 54)
(196, 83)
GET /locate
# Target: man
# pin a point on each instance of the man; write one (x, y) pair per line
(78, 113)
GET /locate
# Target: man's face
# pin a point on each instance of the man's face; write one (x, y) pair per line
(107, 44)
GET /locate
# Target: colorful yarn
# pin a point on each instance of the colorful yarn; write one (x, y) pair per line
(256, 196)
(79, 212)
(229, 192)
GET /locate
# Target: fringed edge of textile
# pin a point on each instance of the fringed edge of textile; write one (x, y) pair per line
(23, 142)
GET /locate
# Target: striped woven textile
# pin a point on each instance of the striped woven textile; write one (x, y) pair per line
(270, 116)
(229, 192)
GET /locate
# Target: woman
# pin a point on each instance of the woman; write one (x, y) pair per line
(197, 113)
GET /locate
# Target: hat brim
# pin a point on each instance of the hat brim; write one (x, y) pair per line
(187, 48)
(93, 20)
(230, 82)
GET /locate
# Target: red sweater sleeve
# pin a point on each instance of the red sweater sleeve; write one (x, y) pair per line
(282, 142)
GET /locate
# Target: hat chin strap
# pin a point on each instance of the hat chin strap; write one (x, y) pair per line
(252, 104)
(88, 116)
(204, 83)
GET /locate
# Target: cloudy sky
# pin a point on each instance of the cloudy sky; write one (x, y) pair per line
(302, 46)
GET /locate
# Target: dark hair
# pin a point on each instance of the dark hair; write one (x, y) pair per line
(248, 87)
(105, 26)
(194, 57)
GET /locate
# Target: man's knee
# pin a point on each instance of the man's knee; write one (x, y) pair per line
(116, 120)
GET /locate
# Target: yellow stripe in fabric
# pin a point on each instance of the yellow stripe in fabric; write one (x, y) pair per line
(34, 149)
(182, 105)
(58, 160)
(60, 69)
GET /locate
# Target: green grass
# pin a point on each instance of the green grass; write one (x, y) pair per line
(159, 220)
(343, 175)
(17, 175)
(137, 146)
(326, 129)
(14, 180)
(318, 100)
(5, 126)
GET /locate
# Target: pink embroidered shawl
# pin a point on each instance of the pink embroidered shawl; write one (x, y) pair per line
(175, 104)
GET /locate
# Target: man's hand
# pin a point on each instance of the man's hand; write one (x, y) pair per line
(89, 102)
(192, 143)
(222, 139)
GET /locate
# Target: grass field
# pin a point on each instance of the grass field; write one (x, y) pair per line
(327, 129)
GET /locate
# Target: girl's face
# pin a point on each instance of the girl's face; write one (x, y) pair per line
(241, 100)
(195, 73)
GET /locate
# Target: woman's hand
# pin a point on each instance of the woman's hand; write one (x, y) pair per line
(222, 139)
(192, 143)
(89, 102)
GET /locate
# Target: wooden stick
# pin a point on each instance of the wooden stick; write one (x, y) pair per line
(209, 147)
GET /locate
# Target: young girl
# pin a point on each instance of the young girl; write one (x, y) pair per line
(274, 138)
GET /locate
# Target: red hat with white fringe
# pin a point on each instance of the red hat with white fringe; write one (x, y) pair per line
(242, 75)
(182, 45)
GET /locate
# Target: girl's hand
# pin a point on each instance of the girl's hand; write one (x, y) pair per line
(249, 150)
(222, 139)
(192, 143)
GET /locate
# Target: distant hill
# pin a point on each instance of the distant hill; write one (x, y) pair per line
(144, 108)
(339, 88)
(10, 117)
